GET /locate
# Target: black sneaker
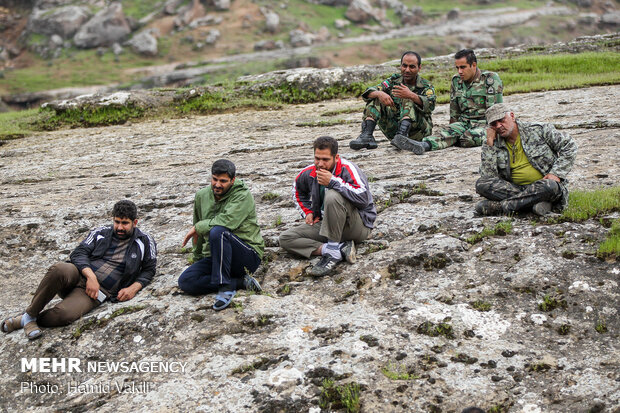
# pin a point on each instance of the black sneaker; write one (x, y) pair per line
(250, 284)
(348, 251)
(542, 208)
(487, 207)
(325, 267)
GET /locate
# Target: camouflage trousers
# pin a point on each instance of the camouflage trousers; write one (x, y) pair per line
(515, 197)
(388, 117)
(465, 134)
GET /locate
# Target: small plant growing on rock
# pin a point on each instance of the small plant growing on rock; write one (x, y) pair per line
(335, 397)
(564, 329)
(431, 329)
(501, 228)
(601, 326)
(270, 196)
(398, 372)
(551, 302)
(481, 305)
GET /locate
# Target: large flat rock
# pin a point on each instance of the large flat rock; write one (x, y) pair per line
(272, 352)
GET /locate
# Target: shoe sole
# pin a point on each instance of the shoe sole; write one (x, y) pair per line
(408, 145)
(357, 147)
(349, 255)
(254, 286)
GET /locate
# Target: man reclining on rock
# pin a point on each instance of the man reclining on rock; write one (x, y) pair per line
(334, 198)
(524, 165)
(228, 246)
(113, 263)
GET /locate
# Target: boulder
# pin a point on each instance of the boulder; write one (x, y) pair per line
(107, 27)
(322, 35)
(611, 19)
(272, 20)
(341, 23)
(171, 6)
(268, 45)
(359, 11)
(212, 36)
(208, 20)
(453, 14)
(189, 13)
(64, 21)
(144, 43)
(312, 61)
(221, 4)
(300, 38)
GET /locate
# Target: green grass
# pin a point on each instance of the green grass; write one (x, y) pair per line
(610, 248)
(501, 228)
(555, 72)
(551, 302)
(334, 397)
(14, 125)
(583, 205)
(395, 371)
(137, 8)
(442, 6)
(431, 329)
(481, 305)
(93, 322)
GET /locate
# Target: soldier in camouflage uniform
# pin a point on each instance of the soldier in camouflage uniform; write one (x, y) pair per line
(400, 105)
(524, 165)
(472, 91)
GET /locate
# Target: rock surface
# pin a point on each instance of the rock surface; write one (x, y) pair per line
(272, 352)
(107, 27)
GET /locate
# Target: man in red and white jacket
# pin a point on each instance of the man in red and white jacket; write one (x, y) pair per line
(334, 199)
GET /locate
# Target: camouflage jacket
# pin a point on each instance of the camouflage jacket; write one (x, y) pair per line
(422, 88)
(548, 150)
(468, 102)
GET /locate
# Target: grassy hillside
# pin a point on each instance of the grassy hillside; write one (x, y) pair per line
(75, 67)
(527, 73)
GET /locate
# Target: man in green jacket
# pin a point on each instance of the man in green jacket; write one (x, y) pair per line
(228, 246)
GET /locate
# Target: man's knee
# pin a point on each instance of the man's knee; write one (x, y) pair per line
(57, 317)
(483, 185)
(216, 232)
(333, 197)
(286, 238)
(62, 270)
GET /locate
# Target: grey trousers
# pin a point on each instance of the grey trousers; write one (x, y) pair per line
(341, 222)
(515, 197)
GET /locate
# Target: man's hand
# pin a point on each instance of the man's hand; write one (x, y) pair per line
(311, 220)
(403, 92)
(384, 98)
(129, 292)
(323, 176)
(552, 177)
(491, 135)
(191, 234)
(92, 287)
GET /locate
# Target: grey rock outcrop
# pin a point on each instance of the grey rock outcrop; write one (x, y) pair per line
(272, 20)
(189, 13)
(359, 11)
(415, 277)
(145, 42)
(208, 20)
(213, 36)
(611, 18)
(63, 21)
(300, 38)
(221, 4)
(107, 27)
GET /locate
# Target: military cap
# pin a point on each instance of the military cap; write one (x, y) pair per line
(496, 112)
